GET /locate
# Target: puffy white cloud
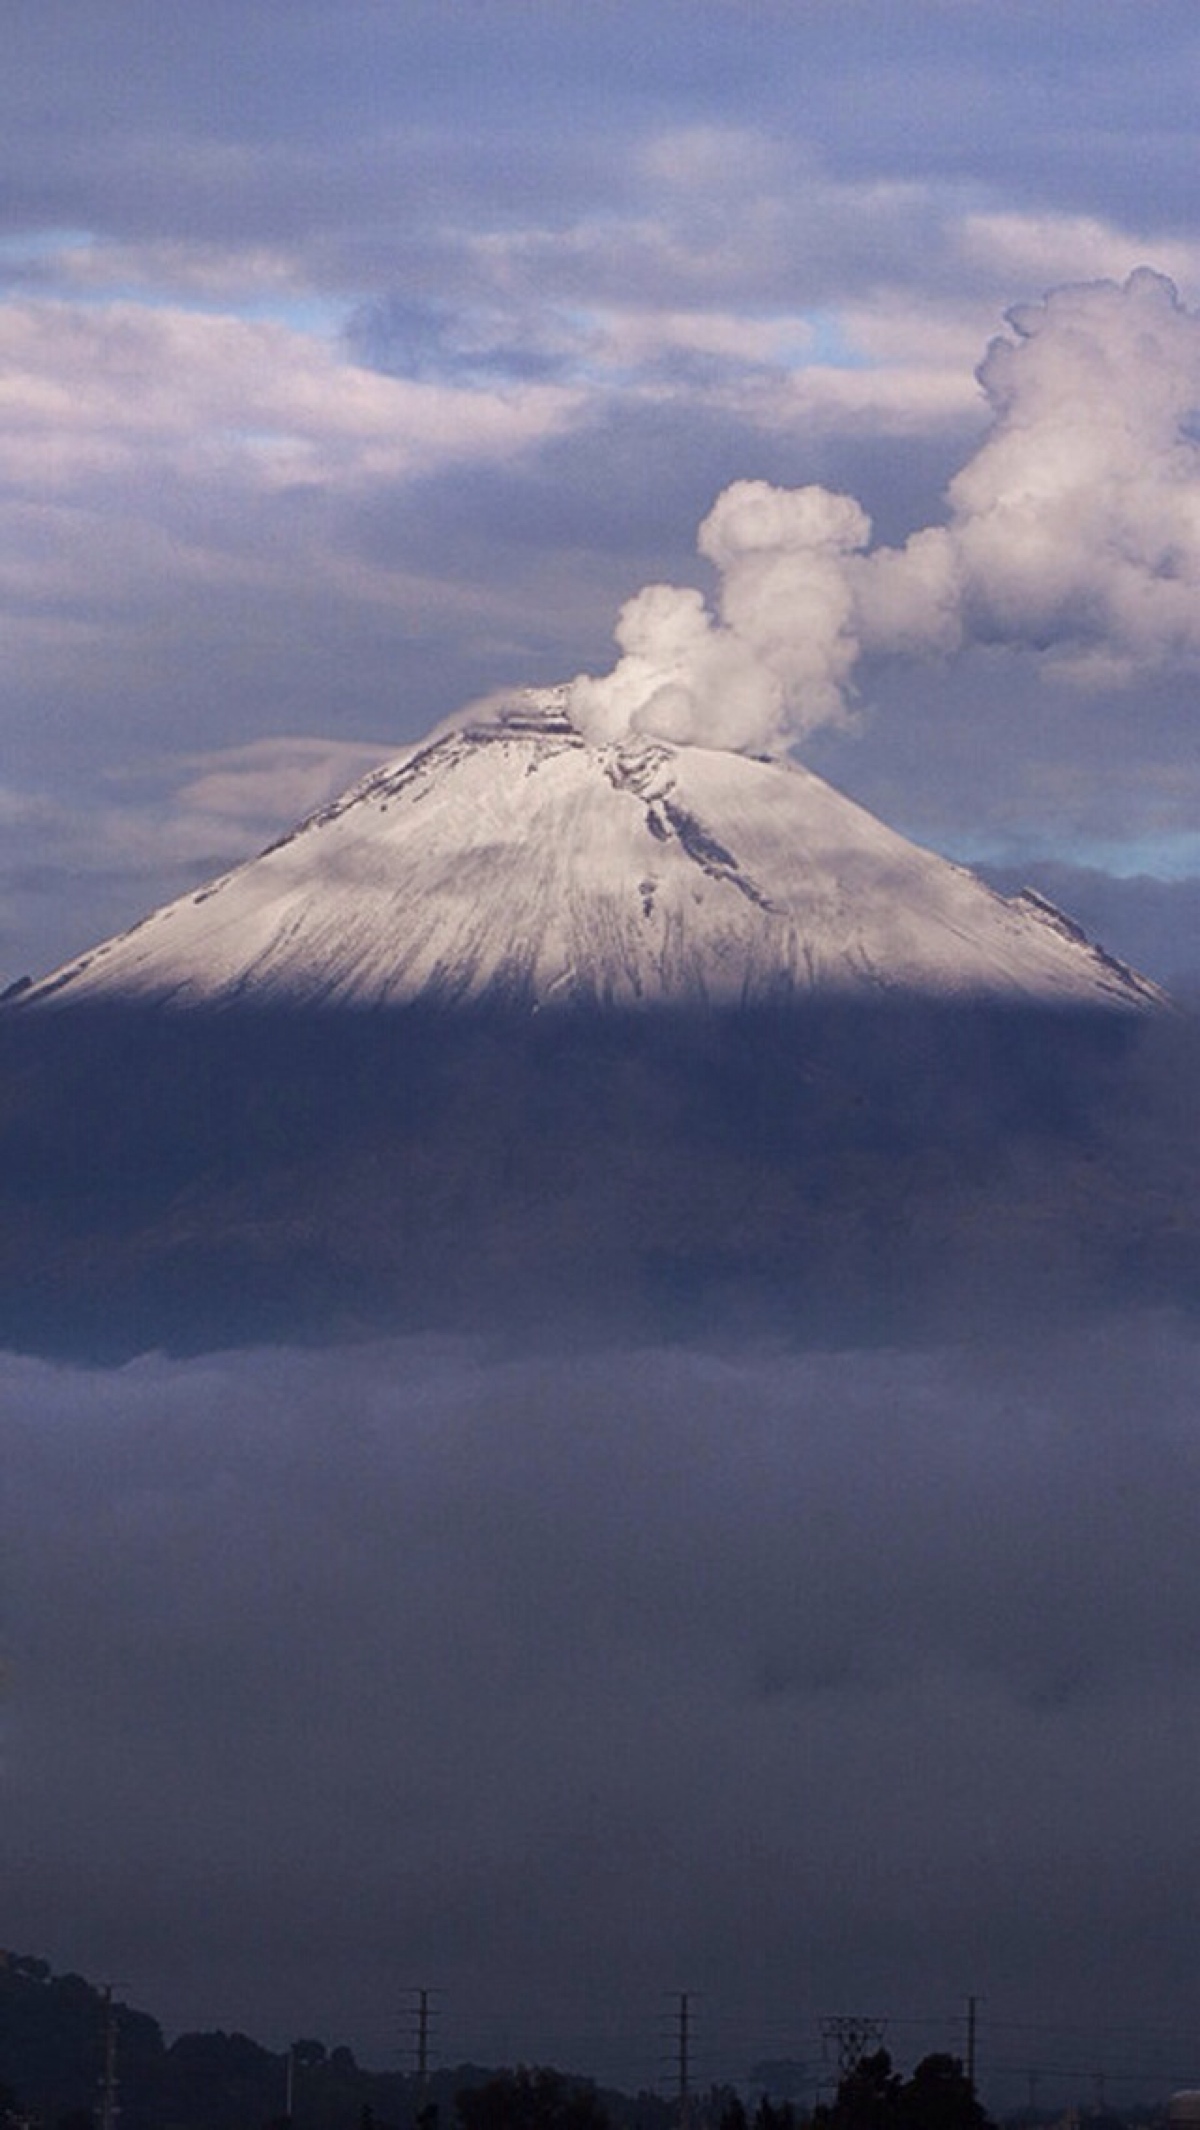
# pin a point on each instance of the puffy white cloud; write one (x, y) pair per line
(681, 677)
(783, 586)
(1074, 531)
(1078, 522)
(776, 660)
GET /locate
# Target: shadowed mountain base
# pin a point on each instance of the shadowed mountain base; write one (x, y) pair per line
(843, 1174)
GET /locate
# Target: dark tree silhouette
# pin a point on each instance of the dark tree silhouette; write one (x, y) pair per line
(868, 2097)
(530, 2100)
(774, 2115)
(940, 2096)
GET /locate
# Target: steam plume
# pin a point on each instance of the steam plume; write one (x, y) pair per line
(1073, 531)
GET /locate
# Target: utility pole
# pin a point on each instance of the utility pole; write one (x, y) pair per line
(684, 2059)
(1098, 2090)
(108, 2084)
(423, 2039)
(972, 2012)
(422, 2012)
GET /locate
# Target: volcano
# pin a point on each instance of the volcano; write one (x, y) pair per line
(505, 860)
(530, 1034)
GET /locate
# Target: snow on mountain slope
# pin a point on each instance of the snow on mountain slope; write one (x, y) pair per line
(509, 859)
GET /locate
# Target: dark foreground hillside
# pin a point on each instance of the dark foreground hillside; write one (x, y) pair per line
(191, 1180)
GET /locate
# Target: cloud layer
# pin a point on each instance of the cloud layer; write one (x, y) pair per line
(799, 1681)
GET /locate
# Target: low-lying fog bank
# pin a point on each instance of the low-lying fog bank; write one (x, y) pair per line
(804, 1681)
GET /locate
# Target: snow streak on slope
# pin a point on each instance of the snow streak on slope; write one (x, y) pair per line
(510, 860)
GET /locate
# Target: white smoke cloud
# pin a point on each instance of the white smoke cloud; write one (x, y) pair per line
(778, 659)
(1073, 532)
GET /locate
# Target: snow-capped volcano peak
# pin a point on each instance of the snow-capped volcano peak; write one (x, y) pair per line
(507, 858)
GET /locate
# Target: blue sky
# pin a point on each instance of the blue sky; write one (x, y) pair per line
(357, 361)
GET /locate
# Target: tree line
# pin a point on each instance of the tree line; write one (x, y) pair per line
(52, 2035)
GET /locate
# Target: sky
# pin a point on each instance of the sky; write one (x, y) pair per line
(357, 361)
